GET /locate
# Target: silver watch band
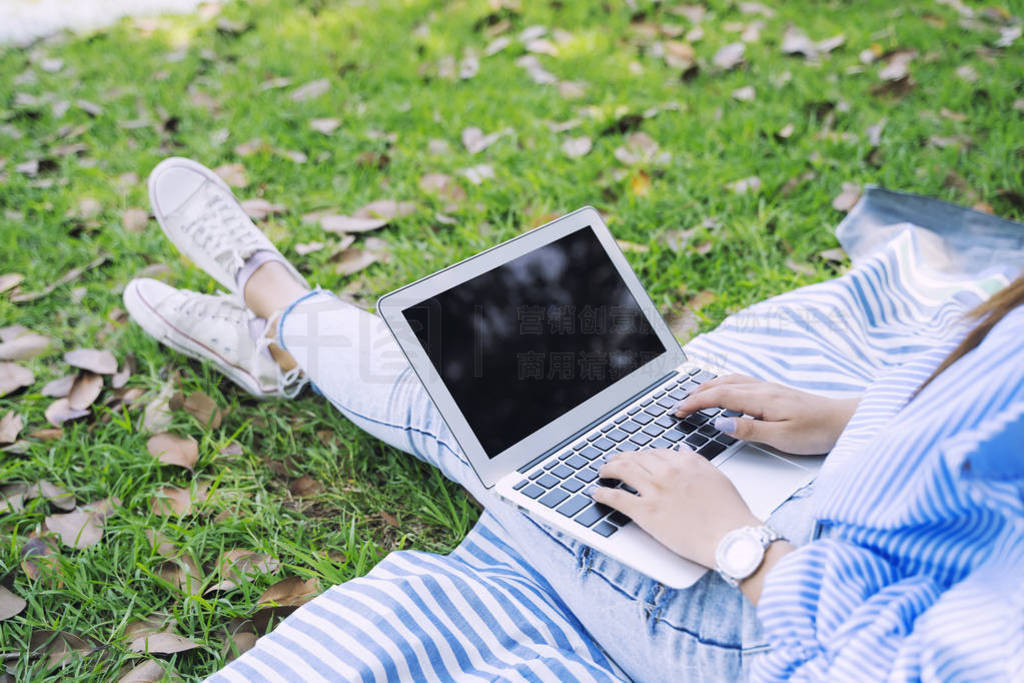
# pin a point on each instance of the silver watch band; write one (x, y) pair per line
(765, 534)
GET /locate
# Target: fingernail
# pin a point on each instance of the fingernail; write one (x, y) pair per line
(679, 406)
(725, 424)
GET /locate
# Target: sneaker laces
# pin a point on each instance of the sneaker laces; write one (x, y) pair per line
(220, 305)
(289, 382)
(223, 230)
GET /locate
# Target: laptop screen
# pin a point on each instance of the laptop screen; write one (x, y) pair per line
(525, 342)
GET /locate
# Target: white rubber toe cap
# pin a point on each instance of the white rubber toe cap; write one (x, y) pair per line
(174, 181)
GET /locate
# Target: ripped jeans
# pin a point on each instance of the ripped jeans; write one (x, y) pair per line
(708, 631)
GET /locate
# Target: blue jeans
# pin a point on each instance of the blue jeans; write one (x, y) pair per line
(708, 631)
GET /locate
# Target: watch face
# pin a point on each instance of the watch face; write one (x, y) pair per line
(741, 555)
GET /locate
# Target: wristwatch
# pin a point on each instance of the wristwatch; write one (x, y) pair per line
(741, 552)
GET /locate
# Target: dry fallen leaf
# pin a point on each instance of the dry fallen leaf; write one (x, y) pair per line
(305, 486)
(10, 604)
(386, 209)
(14, 377)
(12, 497)
(237, 644)
(10, 426)
(24, 346)
(122, 376)
(897, 65)
(639, 148)
(157, 415)
(149, 671)
(745, 185)
(354, 259)
(443, 186)
(341, 224)
(183, 573)
(310, 90)
(85, 390)
(729, 56)
(10, 281)
(237, 566)
(84, 527)
(233, 174)
(640, 183)
(60, 411)
(134, 220)
(258, 209)
(171, 500)
(325, 126)
(477, 174)
(291, 591)
(162, 644)
(160, 543)
(51, 492)
(800, 268)
(575, 148)
(59, 647)
(744, 94)
(203, 408)
(70, 276)
(305, 248)
(48, 434)
(475, 140)
(93, 360)
(848, 198)
(172, 449)
(967, 73)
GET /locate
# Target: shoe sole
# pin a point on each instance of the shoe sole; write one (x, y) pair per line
(209, 175)
(161, 329)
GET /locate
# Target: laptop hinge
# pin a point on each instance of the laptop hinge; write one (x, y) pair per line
(546, 454)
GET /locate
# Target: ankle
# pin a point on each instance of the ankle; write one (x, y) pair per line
(270, 288)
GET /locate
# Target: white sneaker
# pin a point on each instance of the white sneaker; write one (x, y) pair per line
(201, 216)
(214, 328)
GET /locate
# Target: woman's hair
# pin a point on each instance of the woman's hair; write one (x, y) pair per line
(987, 313)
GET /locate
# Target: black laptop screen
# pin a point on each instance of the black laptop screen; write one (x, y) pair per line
(527, 341)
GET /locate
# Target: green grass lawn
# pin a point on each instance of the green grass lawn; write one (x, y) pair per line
(203, 86)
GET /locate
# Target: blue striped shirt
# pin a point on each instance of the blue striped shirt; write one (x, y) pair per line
(918, 571)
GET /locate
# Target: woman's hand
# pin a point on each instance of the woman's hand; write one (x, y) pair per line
(682, 500)
(791, 420)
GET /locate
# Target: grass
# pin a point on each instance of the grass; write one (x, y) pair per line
(381, 60)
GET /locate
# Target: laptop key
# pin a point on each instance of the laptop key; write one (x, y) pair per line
(633, 411)
(627, 488)
(607, 428)
(617, 435)
(661, 443)
(572, 485)
(589, 516)
(565, 456)
(562, 472)
(606, 529)
(679, 394)
(658, 394)
(694, 371)
(621, 418)
(708, 431)
(590, 452)
(640, 439)
(710, 412)
(656, 410)
(725, 439)
(547, 481)
(594, 437)
(537, 474)
(731, 413)
(642, 418)
(711, 449)
(554, 497)
(667, 402)
(551, 464)
(603, 444)
(619, 519)
(647, 403)
(586, 475)
(521, 484)
(673, 436)
(630, 427)
(703, 376)
(576, 462)
(573, 505)
(653, 430)
(533, 491)
(696, 439)
(666, 422)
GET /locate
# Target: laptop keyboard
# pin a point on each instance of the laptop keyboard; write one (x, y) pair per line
(566, 482)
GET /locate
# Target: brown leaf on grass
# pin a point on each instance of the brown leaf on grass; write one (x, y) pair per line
(172, 449)
(122, 376)
(800, 268)
(796, 42)
(729, 56)
(744, 94)
(896, 64)
(10, 281)
(237, 644)
(12, 497)
(149, 671)
(310, 90)
(575, 148)
(847, 199)
(134, 220)
(162, 644)
(639, 148)
(60, 411)
(340, 224)
(102, 362)
(233, 174)
(640, 183)
(898, 89)
(157, 622)
(238, 566)
(14, 377)
(834, 256)
(24, 347)
(353, 260)
(171, 500)
(443, 186)
(325, 126)
(39, 555)
(745, 185)
(683, 321)
(85, 390)
(9, 332)
(475, 141)
(10, 604)
(258, 209)
(10, 426)
(251, 147)
(52, 493)
(291, 591)
(48, 434)
(477, 174)
(389, 519)
(305, 486)
(306, 248)
(84, 527)
(967, 73)
(202, 407)
(386, 209)
(183, 573)
(70, 276)
(160, 543)
(59, 647)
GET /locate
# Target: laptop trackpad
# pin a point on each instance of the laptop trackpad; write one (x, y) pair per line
(764, 480)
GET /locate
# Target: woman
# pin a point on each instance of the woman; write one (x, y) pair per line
(912, 571)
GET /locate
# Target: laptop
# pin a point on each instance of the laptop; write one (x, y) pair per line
(545, 355)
